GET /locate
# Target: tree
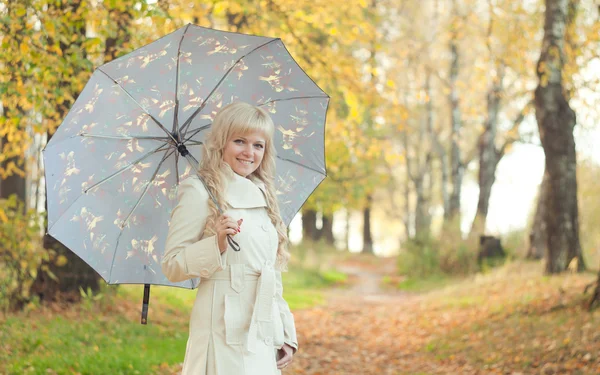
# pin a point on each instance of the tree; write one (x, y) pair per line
(509, 72)
(556, 122)
(15, 28)
(537, 235)
(67, 19)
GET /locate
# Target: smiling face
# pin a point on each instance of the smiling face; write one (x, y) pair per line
(245, 153)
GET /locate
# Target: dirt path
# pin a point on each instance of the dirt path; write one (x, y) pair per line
(366, 285)
(369, 330)
(362, 329)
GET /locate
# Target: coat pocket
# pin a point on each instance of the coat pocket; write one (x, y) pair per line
(234, 329)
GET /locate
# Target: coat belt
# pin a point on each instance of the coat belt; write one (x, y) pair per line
(265, 293)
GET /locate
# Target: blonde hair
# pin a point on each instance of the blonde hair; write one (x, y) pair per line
(239, 119)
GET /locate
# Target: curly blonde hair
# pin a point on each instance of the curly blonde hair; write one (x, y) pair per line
(239, 119)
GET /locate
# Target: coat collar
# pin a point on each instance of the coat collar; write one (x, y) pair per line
(245, 193)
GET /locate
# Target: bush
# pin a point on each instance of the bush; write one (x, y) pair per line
(515, 243)
(21, 252)
(420, 258)
(427, 256)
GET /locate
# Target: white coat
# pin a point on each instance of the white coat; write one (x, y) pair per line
(239, 318)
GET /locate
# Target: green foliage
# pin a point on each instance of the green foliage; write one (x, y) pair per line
(102, 334)
(89, 343)
(588, 173)
(21, 252)
(515, 243)
(428, 256)
(420, 258)
(334, 277)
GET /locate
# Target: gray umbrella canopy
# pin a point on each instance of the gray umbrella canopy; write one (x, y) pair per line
(113, 166)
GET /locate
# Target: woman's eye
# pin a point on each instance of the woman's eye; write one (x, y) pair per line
(238, 141)
(259, 146)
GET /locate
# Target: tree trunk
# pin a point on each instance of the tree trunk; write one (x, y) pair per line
(595, 299)
(15, 183)
(407, 207)
(443, 158)
(327, 229)
(537, 235)
(309, 225)
(347, 231)
(367, 239)
(421, 211)
(556, 121)
(423, 185)
(488, 154)
(457, 167)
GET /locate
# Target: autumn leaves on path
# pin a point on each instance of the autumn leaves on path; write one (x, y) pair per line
(361, 329)
(513, 321)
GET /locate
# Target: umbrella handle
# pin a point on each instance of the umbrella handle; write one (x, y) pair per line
(145, 303)
(234, 245)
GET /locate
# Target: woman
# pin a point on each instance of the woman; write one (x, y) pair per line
(240, 323)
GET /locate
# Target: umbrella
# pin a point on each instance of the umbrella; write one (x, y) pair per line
(135, 131)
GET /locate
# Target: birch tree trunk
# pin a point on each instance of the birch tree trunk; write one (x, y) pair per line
(537, 236)
(556, 121)
(457, 167)
(488, 154)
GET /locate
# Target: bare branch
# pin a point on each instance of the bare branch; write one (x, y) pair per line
(515, 129)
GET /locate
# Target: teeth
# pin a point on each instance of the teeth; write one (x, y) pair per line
(245, 162)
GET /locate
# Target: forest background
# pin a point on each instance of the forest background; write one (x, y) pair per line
(432, 136)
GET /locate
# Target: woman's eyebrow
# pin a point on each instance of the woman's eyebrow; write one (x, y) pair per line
(245, 139)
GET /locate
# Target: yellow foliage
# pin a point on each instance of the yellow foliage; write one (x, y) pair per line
(61, 260)
(21, 251)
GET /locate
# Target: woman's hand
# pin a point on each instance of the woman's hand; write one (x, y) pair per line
(286, 359)
(226, 225)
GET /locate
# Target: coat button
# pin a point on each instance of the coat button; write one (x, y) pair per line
(204, 272)
(264, 227)
(269, 341)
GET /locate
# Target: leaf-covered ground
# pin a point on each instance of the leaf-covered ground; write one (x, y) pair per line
(510, 321)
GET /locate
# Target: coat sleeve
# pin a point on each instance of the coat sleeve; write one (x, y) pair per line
(187, 255)
(289, 327)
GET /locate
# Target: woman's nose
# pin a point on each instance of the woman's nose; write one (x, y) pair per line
(248, 150)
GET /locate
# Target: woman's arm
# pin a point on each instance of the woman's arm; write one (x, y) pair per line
(187, 255)
(287, 318)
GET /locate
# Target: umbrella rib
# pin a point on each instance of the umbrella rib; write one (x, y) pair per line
(195, 143)
(129, 166)
(123, 137)
(297, 97)
(106, 179)
(176, 114)
(139, 105)
(189, 120)
(302, 165)
(196, 131)
(124, 222)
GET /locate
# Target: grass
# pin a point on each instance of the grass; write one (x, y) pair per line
(424, 284)
(105, 336)
(88, 342)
